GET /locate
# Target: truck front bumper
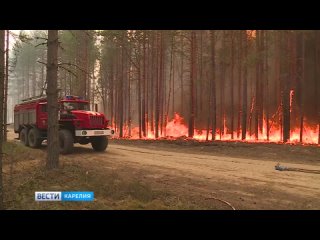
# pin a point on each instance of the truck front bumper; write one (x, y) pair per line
(92, 133)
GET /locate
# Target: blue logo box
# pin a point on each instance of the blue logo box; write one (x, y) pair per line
(64, 196)
(77, 196)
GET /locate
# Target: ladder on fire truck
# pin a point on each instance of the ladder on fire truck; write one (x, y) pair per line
(35, 98)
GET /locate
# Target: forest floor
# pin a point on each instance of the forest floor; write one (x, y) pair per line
(137, 174)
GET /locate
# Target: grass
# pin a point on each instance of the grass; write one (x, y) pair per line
(24, 173)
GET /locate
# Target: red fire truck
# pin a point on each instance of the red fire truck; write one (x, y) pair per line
(77, 124)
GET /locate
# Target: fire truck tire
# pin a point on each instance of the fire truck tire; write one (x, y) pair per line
(65, 141)
(24, 137)
(34, 139)
(100, 143)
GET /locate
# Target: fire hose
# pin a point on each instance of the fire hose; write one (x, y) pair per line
(284, 168)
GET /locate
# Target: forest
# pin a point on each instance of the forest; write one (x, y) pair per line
(250, 85)
(176, 119)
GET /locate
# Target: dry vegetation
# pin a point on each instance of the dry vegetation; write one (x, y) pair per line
(24, 173)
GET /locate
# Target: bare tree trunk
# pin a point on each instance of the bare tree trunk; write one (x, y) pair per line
(153, 78)
(65, 83)
(121, 95)
(173, 79)
(34, 80)
(2, 67)
(317, 75)
(129, 102)
(240, 83)
(262, 74)
(192, 79)
(143, 114)
(139, 100)
(302, 78)
(232, 83)
(171, 83)
(244, 91)
(28, 79)
(147, 82)
(43, 77)
(213, 111)
(267, 85)
(85, 65)
(257, 93)
(222, 85)
(6, 89)
(285, 88)
(157, 101)
(181, 72)
(162, 85)
(52, 93)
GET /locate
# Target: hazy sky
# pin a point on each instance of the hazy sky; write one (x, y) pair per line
(12, 39)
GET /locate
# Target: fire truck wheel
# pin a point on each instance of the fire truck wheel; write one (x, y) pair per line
(100, 143)
(65, 141)
(24, 137)
(34, 138)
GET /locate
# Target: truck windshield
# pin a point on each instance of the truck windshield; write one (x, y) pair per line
(75, 106)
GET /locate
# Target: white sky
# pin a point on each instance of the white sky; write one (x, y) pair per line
(12, 39)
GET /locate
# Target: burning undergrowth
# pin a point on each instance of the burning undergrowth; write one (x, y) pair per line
(177, 130)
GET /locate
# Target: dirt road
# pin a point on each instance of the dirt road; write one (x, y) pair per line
(246, 183)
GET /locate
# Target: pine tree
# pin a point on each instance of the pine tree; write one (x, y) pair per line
(52, 93)
(2, 70)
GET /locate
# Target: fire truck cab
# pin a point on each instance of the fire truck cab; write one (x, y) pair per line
(77, 124)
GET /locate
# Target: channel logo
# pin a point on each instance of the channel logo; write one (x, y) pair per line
(64, 196)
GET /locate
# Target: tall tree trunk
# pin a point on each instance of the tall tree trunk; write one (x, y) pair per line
(171, 83)
(317, 82)
(302, 78)
(267, 85)
(153, 77)
(222, 85)
(262, 77)
(144, 130)
(6, 89)
(162, 81)
(213, 111)
(34, 80)
(232, 83)
(192, 86)
(285, 88)
(147, 82)
(121, 94)
(2, 67)
(157, 101)
(43, 77)
(129, 102)
(257, 93)
(239, 83)
(181, 71)
(52, 93)
(28, 79)
(244, 90)
(139, 100)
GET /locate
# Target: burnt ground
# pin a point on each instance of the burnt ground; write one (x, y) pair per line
(291, 153)
(137, 174)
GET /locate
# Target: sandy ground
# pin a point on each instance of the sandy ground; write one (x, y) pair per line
(245, 182)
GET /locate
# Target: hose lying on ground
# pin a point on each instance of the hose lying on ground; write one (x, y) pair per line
(222, 201)
(283, 168)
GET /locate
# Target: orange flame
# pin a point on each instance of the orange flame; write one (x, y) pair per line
(176, 128)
